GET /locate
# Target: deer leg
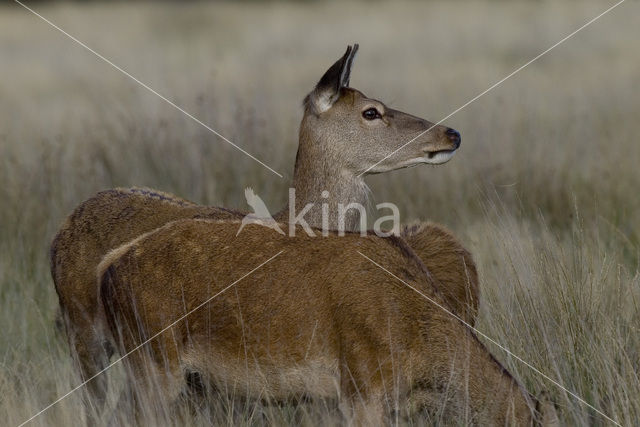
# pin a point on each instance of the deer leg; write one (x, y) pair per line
(155, 382)
(369, 412)
(365, 389)
(90, 357)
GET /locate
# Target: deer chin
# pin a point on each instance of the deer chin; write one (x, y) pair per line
(430, 158)
(438, 157)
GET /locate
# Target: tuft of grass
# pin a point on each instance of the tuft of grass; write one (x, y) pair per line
(543, 190)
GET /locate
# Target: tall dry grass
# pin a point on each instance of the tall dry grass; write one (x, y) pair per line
(543, 191)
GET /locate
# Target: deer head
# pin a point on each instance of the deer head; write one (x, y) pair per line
(345, 135)
(357, 132)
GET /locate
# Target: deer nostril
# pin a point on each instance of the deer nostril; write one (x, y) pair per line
(454, 136)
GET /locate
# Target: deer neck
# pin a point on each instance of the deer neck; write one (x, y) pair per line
(325, 186)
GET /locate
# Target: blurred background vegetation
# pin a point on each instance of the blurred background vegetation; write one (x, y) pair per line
(544, 190)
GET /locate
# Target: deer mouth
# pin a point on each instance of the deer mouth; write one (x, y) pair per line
(438, 157)
(433, 154)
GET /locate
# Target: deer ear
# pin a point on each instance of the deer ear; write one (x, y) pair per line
(327, 91)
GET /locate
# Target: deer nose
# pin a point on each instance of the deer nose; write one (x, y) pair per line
(454, 136)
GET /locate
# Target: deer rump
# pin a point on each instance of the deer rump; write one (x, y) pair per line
(318, 319)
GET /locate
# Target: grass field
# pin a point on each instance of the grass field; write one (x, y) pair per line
(544, 191)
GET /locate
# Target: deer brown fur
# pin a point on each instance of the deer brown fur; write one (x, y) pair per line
(329, 158)
(450, 265)
(318, 319)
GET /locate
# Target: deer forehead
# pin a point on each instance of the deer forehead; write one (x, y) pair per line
(353, 100)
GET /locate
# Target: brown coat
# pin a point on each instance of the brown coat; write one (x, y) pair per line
(318, 319)
(337, 143)
(114, 217)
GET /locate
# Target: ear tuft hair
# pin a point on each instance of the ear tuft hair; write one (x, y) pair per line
(327, 91)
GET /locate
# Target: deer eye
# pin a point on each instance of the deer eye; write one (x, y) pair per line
(371, 114)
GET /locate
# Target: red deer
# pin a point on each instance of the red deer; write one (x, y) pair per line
(342, 133)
